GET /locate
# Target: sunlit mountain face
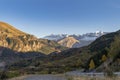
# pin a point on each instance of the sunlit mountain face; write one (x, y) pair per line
(17, 40)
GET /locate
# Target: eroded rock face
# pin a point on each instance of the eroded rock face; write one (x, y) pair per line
(23, 42)
(68, 42)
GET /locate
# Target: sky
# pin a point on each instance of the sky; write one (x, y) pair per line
(44, 17)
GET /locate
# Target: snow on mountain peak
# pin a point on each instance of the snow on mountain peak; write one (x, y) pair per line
(89, 36)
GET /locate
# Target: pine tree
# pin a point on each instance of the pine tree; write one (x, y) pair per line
(92, 64)
(104, 58)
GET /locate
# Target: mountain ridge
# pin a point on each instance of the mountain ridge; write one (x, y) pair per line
(61, 36)
(81, 40)
(17, 40)
(5, 27)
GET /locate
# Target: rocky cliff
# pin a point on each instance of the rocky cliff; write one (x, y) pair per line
(19, 41)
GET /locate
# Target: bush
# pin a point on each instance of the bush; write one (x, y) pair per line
(3, 75)
(13, 74)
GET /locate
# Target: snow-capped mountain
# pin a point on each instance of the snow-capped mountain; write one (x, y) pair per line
(84, 39)
(91, 36)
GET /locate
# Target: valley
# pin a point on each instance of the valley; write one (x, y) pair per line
(59, 39)
(24, 54)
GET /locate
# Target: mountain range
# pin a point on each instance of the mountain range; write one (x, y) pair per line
(75, 41)
(24, 53)
(104, 51)
(19, 41)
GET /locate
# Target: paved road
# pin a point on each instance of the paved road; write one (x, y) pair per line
(62, 77)
(45, 77)
(78, 73)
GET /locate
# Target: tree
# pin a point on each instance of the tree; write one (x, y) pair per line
(91, 65)
(104, 58)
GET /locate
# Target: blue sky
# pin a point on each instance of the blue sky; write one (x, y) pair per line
(44, 17)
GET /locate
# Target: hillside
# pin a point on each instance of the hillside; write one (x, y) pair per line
(10, 31)
(19, 41)
(9, 56)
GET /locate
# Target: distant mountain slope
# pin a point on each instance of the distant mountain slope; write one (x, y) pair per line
(17, 40)
(68, 42)
(82, 40)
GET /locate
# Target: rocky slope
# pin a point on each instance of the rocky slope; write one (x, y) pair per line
(68, 42)
(23, 42)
